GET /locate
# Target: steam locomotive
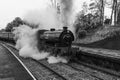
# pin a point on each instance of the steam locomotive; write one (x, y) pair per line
(57, 42)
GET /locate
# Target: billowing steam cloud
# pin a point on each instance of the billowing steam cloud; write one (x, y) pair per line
(46, 19)
(26, 37)
(27, 43)
(66, 11)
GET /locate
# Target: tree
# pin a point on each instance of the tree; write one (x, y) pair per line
(115, 14)
(85, 7)
(102, 11)
(86, 23)
(15, 23)
(97, 6)
(118, 12)
(115, 11)
(8, 27)
(118, 15)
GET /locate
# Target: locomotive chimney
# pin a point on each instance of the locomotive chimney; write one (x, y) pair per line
(65, 28)
(52, 29)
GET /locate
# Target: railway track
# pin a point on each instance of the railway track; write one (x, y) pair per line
(78, 69)
(65, 76)
(95, 71)
(62, 72)
(28, 74)
(68, 72)
(45, 71)
(102, 69)
(44, 65)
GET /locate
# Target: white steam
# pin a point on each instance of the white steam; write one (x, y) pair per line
(26, 37)
(66, 11)
(27, 43)
(46, 19)
(58, 59)
(67, 14)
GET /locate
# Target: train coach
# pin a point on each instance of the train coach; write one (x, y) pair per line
(6, 36)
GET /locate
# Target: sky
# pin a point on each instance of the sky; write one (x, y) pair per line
(9, 9)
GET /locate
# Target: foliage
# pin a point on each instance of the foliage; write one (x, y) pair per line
(15, 23)
(97, 6)
(107, 21)
(85, 7)
(86, 23)
(2, 30)
(115, 6)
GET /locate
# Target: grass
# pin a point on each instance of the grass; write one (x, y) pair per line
(100, 34)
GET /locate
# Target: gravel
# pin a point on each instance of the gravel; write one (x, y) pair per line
(64, 70)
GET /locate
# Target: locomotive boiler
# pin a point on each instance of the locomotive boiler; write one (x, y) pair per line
(57, 42)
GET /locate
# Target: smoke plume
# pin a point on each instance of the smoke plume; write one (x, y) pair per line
(46, 19)
(26, 37)
(27, 43)
(66, 11)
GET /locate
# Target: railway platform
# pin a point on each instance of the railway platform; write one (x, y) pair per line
(102, 52)
(106, 59)
(10, 68)
(113, 54)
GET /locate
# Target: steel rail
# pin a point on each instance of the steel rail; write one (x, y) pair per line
(32, 76)
(50, 69)
(63, 78)
(108, 71)
(84, 72)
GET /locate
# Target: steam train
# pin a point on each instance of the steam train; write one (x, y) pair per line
(7, 36)
(57, 42)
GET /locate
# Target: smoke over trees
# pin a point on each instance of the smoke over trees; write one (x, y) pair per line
(15, 23)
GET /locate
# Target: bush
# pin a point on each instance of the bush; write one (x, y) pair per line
(87, 23)
(81, 34)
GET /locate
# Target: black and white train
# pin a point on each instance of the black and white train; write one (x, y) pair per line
(57, 42)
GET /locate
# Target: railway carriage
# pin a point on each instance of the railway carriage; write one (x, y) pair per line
(6, 36)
